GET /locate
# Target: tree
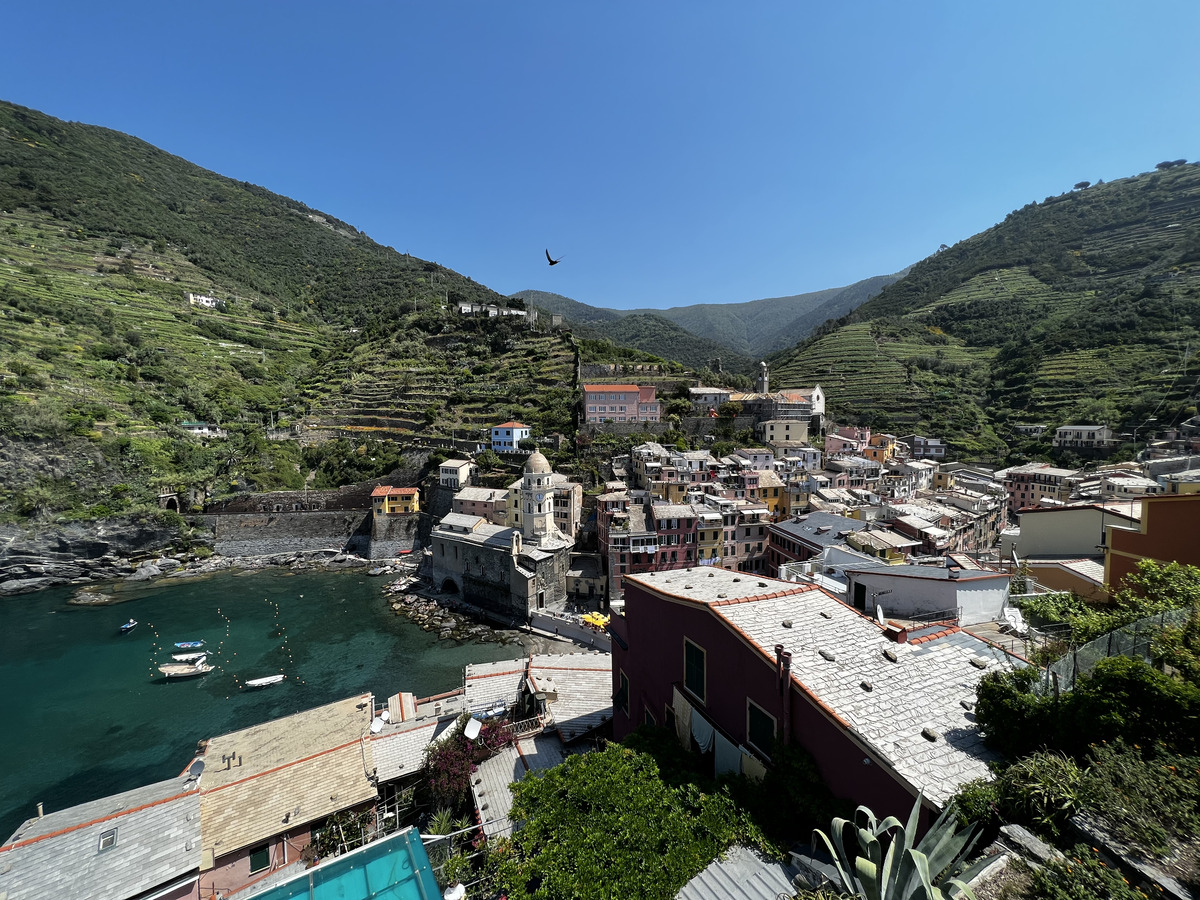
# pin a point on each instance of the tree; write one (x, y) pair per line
(605, 824)
(527, 444)
(730, 409)
(1079, 186)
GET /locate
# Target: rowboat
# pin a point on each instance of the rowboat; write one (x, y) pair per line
(189, 645)
(189, 657)
(128, 626)
(185, 670)
(264, 682)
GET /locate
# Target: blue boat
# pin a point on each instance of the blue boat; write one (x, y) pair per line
(189, 645)
(128, 626)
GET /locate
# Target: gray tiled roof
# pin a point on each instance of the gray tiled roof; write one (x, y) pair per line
(583, 682)
(157, 843)
(820, 529)
(491, 784)
(923, 689)
(739, 874)
(490, 682)
(399, 750)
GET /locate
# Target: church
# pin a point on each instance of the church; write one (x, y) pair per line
(508, 572)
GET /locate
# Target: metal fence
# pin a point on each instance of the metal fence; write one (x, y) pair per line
(1134, 641)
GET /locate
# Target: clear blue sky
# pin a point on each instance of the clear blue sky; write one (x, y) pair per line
(671, 152)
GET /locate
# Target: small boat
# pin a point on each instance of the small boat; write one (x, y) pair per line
(185, 670)
(189, 645)
(128, 626)
(189, 657)
(264, 682)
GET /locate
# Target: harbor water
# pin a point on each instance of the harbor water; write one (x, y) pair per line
(84, 711)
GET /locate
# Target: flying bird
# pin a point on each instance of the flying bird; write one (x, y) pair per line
(552, 260)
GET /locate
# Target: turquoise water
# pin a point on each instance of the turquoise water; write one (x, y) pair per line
(85, 713)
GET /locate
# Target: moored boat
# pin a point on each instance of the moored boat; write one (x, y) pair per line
(185, 670)
(264, 682)
(128, 626)
(189, 657)
(189, 645)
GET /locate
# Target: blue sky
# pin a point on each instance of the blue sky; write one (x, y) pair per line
(671, 152)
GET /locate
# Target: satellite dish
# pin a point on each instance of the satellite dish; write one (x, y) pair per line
(376, 725)
(195, 769)
(472, 729)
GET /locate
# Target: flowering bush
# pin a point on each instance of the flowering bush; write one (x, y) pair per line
(450, 762)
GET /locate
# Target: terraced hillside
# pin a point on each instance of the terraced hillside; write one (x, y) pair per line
(1084, 308)
(453, 385)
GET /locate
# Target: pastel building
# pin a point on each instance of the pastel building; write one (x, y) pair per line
(620, 403)
(507, 436)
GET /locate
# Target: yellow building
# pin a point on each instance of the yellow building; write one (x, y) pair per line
(390, 501)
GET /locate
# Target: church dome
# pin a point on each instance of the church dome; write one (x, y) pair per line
(537, 464)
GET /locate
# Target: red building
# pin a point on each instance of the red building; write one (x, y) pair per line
(1169, 528)
(731, 661)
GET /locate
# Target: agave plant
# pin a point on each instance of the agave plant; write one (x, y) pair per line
(890, 867)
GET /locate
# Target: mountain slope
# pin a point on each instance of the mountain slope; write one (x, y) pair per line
(750, 330)
(312, 327)
(1082, 308)
(661, 337)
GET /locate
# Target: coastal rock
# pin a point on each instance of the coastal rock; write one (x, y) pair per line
(145, 573)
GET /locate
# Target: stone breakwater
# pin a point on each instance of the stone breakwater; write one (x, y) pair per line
(451, 620)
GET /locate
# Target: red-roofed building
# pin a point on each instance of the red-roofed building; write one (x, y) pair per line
(620, 403)
(506, 436)
(391, 501)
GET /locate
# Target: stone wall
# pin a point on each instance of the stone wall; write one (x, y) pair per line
(396, 535)
(266, 534)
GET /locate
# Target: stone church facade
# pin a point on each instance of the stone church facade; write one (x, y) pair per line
(508, 572)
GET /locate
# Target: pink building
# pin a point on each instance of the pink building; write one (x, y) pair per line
(849, 439)
(620, 403)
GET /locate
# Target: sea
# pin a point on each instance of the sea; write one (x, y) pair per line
(85, 713)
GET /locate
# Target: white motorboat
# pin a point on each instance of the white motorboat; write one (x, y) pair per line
(189, 657)
(186, 670)
(264, 682)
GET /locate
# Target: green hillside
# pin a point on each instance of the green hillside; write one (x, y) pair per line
(1082, 308)
(318, 333)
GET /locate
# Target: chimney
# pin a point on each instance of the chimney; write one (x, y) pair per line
(896, 632)
(786, 677)
(779, 663)
(41, 812)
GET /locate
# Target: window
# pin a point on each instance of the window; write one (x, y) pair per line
(648, 719)
(260, 858)
(760, 728)
(621, 698)
(693, 669)
(108, 840)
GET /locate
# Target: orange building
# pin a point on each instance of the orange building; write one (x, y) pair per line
(389, 501)
(1169, 529)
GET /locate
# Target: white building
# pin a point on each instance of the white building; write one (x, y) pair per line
(1087, 437)
(456, 473)
(506, 436)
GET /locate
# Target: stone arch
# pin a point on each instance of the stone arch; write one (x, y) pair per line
(449, 586)
(172, 503)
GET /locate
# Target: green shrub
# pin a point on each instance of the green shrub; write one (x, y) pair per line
(1147, 799)
(1082, 876)
(1041, 790)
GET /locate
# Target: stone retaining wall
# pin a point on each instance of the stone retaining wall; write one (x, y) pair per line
(265, 534)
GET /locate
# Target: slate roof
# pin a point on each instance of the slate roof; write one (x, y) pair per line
(739, 874)
(820, 529)
(487, 683)
(157, 844)
(583, 683)
(490, 785)
(270, 778)
(399, 750)
(924, 688)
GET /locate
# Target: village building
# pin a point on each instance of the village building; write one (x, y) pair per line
(920, 447)
(1165, 533)
(967, 595)
(620, 403)
(391, 501)
(1083, 437)
(136, 844)
(456, 473)
(808, 536)
(507, 436)
(486, 503)
(264, 788)
(1031, 484)
(507, 572)
(733, 663)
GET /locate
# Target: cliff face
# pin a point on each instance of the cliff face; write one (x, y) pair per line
(33, 559)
